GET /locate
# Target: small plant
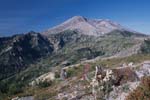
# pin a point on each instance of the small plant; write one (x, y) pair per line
(57, 74)
(45, 84)
(102, 83)
(14, 89)
(125, 88)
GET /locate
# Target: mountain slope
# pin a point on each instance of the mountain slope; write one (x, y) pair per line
(20, 50)
(76, 39)
(95, 27)
(76, 47)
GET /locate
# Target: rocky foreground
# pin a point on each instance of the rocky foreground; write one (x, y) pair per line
(116, 84)
(100, 84)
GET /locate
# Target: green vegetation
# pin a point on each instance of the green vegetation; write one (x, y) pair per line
(74, 71)
(116, 62)
(145, 48)
(125, 88)
(14, 89)
(45, 84)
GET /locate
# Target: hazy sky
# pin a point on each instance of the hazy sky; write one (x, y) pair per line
(20, 16)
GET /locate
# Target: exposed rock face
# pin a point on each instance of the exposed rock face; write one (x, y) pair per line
(95, 27)
(144, 70)
(18, 51)
(122, 91)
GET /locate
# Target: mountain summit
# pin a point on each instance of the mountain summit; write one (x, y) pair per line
(86, 26)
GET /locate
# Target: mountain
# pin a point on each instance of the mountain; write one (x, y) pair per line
(25, 57)
(95, 27)
(76, 39)
(18, 51)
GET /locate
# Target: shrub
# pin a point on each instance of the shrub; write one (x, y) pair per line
(57, 74)
(142, 92)
(3, 87)
(145, 48)
(45, 84)
(14, 89)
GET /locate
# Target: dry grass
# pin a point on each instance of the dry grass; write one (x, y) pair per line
(142, 92)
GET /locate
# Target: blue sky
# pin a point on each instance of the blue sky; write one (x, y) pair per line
(20, 16)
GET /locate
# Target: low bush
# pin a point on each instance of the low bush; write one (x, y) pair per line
(45, 84)
(142, 92)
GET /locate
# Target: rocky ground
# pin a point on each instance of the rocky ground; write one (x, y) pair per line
(93, 84)
(78, 88)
